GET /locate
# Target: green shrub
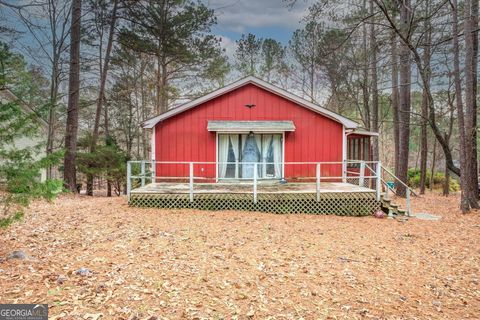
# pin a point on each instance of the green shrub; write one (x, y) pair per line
(438, 180)
(20, 168)
(108, 161)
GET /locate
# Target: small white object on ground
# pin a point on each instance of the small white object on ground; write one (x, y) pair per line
(426, 216)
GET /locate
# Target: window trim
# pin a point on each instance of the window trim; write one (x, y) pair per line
(217, 133)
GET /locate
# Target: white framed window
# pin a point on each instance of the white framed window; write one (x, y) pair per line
(236, 154)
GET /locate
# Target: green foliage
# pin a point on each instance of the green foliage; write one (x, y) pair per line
(265, 58)
(438, 180)
(5, 222)
(248, 54)
(20, 165)
(177, 33)
(107, 161)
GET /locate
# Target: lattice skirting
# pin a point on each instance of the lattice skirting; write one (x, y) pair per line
(340, 203)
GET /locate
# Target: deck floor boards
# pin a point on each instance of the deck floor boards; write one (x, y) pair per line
(243, 188)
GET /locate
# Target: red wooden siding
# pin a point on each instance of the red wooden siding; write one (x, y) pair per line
(184, 137)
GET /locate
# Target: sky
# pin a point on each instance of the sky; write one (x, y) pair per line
(263, 18)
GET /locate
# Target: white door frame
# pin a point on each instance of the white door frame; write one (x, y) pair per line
(240, 133)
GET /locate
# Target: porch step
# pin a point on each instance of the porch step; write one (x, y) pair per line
(388, 206)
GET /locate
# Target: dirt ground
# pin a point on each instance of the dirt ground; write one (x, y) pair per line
(175, 264)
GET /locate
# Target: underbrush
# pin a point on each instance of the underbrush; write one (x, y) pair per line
(438, 180)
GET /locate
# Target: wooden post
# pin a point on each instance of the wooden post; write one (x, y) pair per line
(318, 182)
(344, 171)
(191, 182)
(361, 179)
(264, 168)
(154, 171)
(236, 168)
(142, 172)
(378, 178)
(129, 181)
(255, 173)
(408, 202)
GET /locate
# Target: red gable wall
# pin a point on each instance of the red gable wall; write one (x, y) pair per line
(184, 137)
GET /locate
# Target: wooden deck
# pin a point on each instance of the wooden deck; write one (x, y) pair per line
(246, 188)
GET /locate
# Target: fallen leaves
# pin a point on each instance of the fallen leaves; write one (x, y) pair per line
(97, 258)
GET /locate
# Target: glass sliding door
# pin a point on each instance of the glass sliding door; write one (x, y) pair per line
(238, 152)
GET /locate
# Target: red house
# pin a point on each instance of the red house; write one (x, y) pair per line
(223, 136)
(251, 120)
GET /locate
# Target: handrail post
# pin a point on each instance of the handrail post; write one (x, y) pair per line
(379, 179)
(344, 171)
(318, 182)
(129, 177)
(142, 172)
(237, 168)
(408, 202)
(255, 173)
(154, 171)
(191, 181)
(361, 179)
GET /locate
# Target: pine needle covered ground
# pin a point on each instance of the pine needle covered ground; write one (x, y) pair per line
(96, 258)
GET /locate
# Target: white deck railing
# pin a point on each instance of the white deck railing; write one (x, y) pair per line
(143, 170)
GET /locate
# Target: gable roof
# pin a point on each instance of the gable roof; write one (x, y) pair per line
(349, 124)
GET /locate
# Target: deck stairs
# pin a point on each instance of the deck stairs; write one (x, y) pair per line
(390, 208)
(386, 203)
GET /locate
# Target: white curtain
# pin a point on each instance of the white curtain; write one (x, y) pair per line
(267, 139)
(258, 141)
(222, 154)
(277, 155)
(234, 142)
(244, 140)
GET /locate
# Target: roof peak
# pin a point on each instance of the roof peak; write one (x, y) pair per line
(150, 123)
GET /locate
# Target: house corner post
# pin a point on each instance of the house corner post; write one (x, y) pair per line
(191, 181)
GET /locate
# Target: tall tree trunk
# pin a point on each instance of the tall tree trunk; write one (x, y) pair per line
(468, 187)
(164, 85)
(101, 91)
(52, 119)
(70, 172)
(446, 185)
(395, 98)
(404, 98)
(406, 40)
(158, 97)
(464, 203)
(432, 169)
(365, 92)
(143, 105)
(448, 135)
(103, 77)
(57, 46)
(374, 85)
(424, 119)
(470, 121)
